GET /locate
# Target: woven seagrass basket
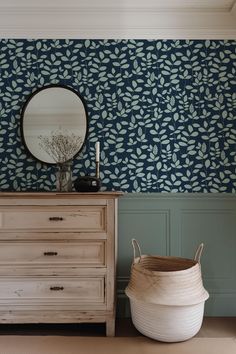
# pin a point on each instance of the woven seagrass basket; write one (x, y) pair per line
(166, 295)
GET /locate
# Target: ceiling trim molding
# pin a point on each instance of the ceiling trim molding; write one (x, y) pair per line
(114, 9)
(123, 21)
(104, 33)
(199, 5)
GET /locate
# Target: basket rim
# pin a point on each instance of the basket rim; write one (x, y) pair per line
(137, 263)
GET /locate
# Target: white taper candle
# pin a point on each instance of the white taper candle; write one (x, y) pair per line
(97, 148)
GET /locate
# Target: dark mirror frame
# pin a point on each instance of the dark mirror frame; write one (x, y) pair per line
(24, 109)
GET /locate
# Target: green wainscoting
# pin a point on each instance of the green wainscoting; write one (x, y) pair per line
(175, 224)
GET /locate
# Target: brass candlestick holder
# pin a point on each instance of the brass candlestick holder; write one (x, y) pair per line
(97, 170)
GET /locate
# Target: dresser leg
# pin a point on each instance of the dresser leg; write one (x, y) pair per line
(110, 327)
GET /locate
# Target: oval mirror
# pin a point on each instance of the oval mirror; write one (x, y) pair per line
(54, 124)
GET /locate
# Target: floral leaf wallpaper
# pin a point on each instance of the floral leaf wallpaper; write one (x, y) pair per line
(164, 111)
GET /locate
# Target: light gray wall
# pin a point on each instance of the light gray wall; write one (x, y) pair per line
(175, 224)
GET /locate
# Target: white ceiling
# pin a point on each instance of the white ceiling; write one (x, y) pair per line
(181, 19)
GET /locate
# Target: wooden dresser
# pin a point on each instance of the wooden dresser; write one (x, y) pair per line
(58, 258)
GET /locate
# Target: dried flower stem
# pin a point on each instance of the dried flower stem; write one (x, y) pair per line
(60, 145)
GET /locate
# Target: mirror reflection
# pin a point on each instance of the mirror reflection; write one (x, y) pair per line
(54, 114)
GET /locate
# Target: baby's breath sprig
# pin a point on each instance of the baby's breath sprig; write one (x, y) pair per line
(60, 145)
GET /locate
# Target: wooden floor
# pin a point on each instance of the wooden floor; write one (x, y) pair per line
(217, 336)
(213, 327)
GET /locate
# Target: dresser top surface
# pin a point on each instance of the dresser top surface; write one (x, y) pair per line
(58, 195)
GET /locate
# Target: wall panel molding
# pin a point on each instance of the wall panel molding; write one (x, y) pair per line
(180, 196)
(193, 218)
(164, 214)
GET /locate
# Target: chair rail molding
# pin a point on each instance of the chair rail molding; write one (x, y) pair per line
(95, 19)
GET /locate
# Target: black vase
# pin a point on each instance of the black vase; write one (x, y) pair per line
(87, 184)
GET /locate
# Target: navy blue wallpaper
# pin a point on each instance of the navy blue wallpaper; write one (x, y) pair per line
(163, 111)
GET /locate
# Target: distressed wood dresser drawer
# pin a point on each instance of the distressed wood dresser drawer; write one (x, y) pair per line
(80, 253)
(58, 257)
(86, 219)
(51, 291)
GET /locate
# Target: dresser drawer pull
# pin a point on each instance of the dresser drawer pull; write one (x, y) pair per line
(50, 253)
(56, 218)
(56, 288)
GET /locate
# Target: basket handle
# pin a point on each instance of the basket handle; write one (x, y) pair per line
(198, 253)
(136, 247)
